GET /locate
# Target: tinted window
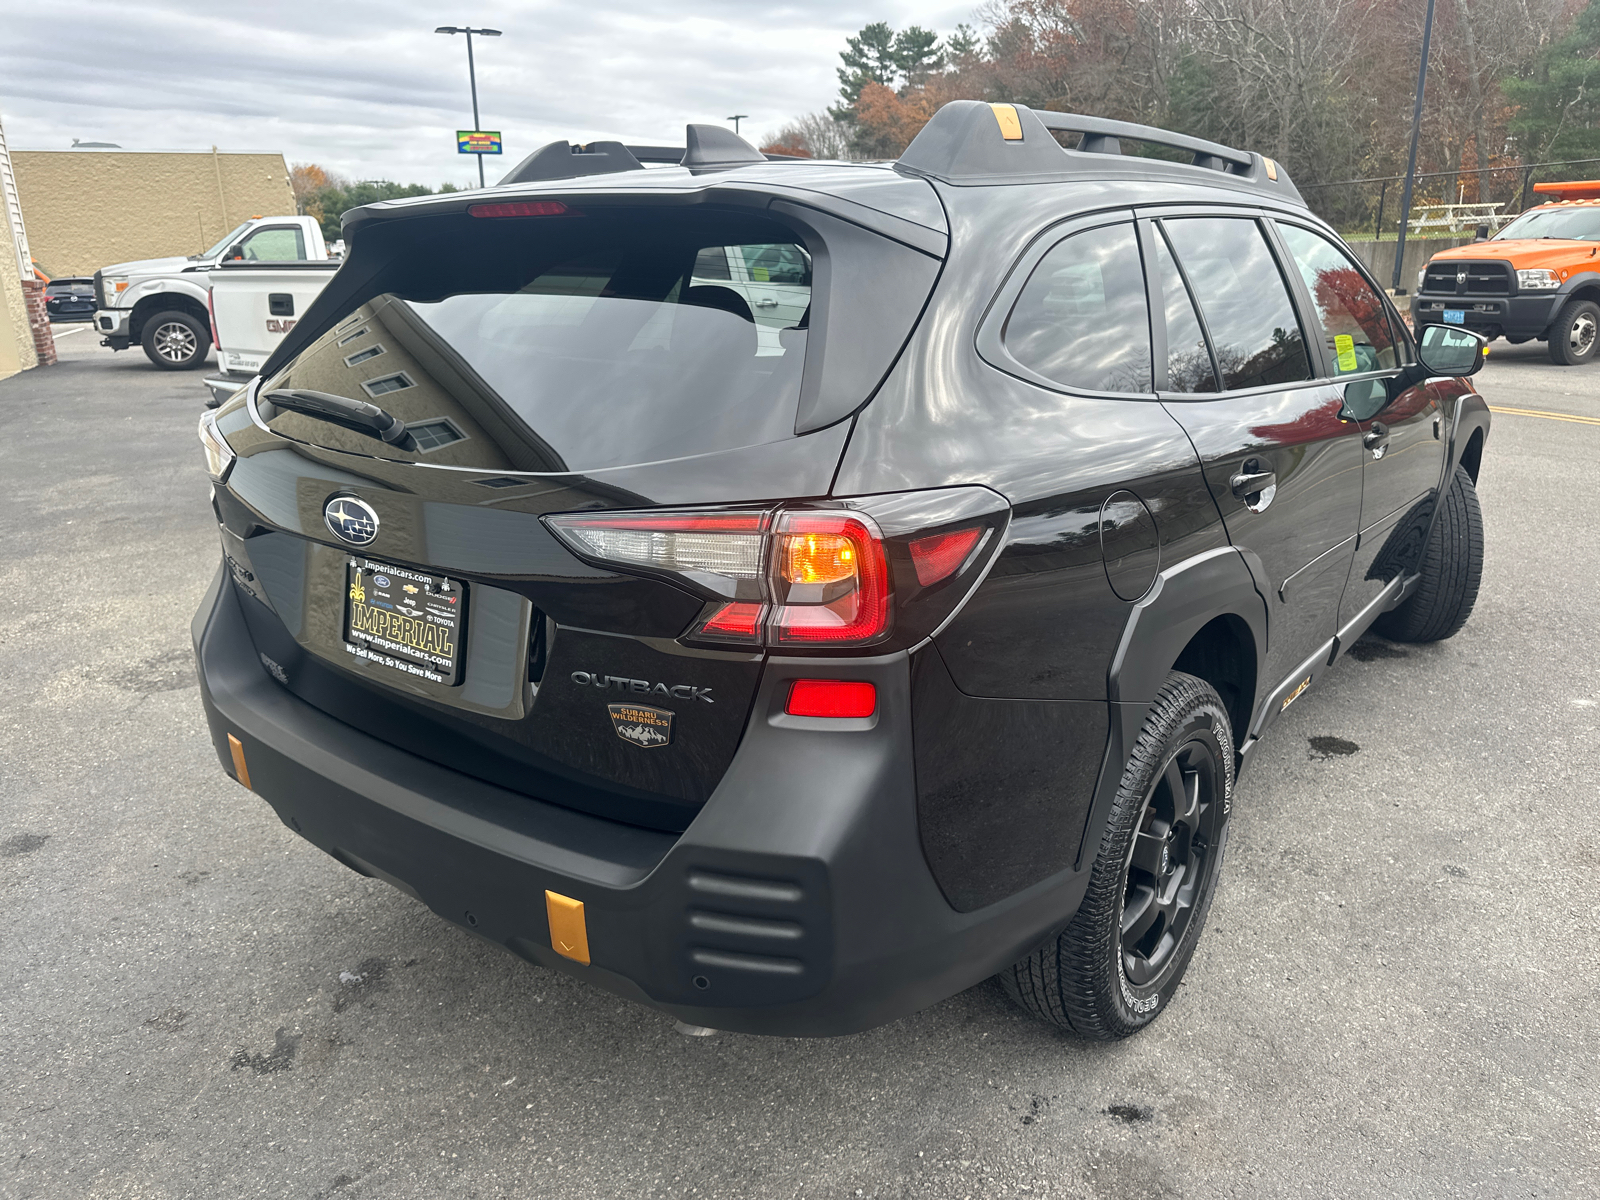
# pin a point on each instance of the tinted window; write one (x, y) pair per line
(613, 341)
(1354, 321)
(285, 243)
(1189, 366)
(1082, 319)
(1246, 305)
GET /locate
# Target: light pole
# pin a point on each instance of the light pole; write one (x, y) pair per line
(472, 74)
(736, 118)
(1411, 165)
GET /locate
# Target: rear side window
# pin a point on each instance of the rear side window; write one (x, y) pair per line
(1189, 366)
(1355, 324)
(613, 340)
(1082, 319)
(1246, 304)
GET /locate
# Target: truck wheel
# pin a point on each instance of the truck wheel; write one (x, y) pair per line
(1452, 566)
(1118, 963)
(175, 341)
(1575, 333)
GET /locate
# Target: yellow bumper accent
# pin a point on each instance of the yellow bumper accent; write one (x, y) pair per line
(569, 936)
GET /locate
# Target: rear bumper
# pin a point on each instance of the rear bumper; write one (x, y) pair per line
(1513, 316)
(798, 901)
(223, 386)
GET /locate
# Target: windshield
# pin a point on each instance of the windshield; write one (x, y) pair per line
(224, 243)
(609, 341)
(1572, 224)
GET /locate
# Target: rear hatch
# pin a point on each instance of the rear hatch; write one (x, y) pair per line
(469, 373)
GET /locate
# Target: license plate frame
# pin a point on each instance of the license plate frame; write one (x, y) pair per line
(1455, 316)
(413, 622)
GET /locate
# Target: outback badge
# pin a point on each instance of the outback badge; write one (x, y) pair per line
(648, 728)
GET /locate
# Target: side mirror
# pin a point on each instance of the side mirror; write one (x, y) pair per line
(1451, 350)
(234, 254)
(1482, 234)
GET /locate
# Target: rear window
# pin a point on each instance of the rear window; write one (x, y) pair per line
(610, 340)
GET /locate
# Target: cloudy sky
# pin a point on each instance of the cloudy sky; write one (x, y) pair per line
(366, 88)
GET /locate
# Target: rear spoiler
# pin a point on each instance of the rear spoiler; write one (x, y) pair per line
(706, 148)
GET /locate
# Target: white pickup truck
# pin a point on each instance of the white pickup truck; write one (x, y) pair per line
(161, 303)
(253, 305)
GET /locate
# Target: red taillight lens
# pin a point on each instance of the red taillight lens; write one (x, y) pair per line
(521, 208)
(736, 622)
(831, 580)
(831, 698)
(937, 557)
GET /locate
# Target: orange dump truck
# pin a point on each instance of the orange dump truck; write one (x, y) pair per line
(1539, 277)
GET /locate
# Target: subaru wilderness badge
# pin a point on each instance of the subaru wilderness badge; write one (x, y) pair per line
(351, 520)
(646, 727)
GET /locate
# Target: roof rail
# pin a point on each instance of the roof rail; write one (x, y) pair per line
(968, 141)
(705, 148)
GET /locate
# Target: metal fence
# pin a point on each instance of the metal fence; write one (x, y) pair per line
(1371, 207)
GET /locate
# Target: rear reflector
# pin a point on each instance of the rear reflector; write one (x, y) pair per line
(936, 557)
(832, 698)
(520, 208)
(236, 752)
(569, 932)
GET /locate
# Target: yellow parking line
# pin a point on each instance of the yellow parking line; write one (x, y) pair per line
(1539, 412)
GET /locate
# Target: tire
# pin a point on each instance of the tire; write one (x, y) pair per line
(1165, 837)
(175, 341)
(1452, 566)
(1575, 333)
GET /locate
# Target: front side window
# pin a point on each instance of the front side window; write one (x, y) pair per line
(1082, 319)
(1247, 308)
(1355, 324)
(283, 243)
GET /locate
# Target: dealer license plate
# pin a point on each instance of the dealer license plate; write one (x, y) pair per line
(405, 620)
(1455, 316)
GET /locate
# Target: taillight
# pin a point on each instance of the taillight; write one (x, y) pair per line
(211, 308)
(830, 580)
(806, 578)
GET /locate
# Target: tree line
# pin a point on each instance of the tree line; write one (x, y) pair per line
(327, 195)
(1324, 86)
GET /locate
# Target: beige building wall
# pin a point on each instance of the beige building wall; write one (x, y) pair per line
(16, 339)
(88, 209)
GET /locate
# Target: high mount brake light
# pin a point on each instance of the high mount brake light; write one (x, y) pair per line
(522, 208)
(795, 577)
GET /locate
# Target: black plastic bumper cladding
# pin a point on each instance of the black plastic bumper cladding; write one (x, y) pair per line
(798, 902)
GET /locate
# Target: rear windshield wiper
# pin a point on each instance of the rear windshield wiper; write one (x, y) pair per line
(343, 411)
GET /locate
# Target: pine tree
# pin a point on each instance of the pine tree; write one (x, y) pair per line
(1558, 109)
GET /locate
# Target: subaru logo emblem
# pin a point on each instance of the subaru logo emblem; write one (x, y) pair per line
(351, 520)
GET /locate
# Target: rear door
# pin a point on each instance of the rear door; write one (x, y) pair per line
(1283, 467)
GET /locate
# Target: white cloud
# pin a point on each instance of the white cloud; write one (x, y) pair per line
(366, 88)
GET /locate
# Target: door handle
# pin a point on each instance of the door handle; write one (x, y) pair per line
(1246, 484)
(1375, 436)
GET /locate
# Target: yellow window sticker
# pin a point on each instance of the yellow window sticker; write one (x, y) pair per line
(1345, 346)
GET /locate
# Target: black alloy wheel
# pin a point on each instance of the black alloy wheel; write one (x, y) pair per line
(1169, 860)
(175, 341)
(1120, 960)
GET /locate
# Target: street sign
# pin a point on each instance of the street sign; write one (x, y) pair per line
(471, 141)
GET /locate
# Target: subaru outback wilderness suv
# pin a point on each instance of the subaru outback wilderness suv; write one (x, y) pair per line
(788, 593)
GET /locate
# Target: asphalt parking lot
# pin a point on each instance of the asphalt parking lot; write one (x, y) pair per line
(1396, 995)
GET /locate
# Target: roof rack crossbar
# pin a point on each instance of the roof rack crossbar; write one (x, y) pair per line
(1101, 136)
(705, 148)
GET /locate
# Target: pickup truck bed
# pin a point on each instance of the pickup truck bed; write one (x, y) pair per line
(253, 305)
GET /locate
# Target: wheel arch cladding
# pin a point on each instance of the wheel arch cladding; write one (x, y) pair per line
(1201, 617)
(162, 302)
(1472, 456)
